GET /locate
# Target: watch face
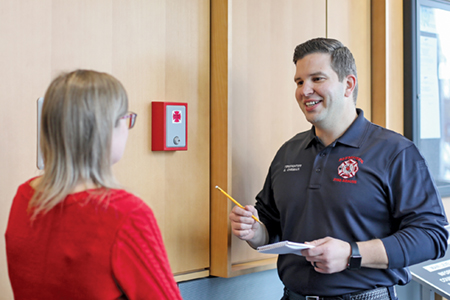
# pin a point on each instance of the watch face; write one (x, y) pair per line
(354, 262)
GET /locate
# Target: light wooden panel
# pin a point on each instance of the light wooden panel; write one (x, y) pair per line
(160, 51)
(220, 229)
(260, 112)
(349, 22)
(24, 74)
(263, 110)
(387, 62)
(379, 62)
(187, 65)
(394, 65)
(174, 40)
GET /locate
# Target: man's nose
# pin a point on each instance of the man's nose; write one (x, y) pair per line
(307, 89)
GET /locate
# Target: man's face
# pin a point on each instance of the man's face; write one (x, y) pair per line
(319, 93)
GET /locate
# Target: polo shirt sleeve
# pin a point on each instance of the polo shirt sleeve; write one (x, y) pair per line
(267, 210)
(417, 212)
(139, 259)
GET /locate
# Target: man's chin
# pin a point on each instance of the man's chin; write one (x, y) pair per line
(313, 117)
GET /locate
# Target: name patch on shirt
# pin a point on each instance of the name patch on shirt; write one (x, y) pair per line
(348, 168)
(292, 168)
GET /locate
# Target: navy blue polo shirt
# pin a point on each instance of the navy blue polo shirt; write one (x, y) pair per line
(371, 183)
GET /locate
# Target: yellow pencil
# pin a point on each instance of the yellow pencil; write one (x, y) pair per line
(237, 203)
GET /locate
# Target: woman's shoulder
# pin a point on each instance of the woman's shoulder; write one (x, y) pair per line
(32, 182)
(28, 186)
(124, 200)
(131, 209)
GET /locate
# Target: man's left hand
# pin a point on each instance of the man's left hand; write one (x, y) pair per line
(329, 255)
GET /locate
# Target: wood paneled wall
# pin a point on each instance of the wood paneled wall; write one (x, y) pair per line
(159, 50)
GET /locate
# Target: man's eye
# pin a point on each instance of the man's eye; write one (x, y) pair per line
(318, 78)
(299, 83)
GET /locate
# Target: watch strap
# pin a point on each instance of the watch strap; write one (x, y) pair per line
(354, 262)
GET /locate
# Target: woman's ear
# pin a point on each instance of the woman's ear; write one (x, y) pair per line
(350, 84)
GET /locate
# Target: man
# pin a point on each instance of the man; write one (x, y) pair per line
(361, 194)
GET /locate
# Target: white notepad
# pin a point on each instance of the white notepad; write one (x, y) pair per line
(284, 247)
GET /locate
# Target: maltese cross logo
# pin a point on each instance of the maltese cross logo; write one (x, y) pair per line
(348, 168)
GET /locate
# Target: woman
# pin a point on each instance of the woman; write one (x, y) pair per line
(73, 233)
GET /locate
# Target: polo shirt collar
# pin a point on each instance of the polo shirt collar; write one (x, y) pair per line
(352, 137)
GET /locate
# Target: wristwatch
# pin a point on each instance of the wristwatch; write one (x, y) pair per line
(354, 262)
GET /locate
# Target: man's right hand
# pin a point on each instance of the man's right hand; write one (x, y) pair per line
(246, 228)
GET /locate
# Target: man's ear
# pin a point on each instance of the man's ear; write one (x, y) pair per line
(350, 84)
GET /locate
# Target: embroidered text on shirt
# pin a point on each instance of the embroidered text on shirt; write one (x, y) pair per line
(292, 168)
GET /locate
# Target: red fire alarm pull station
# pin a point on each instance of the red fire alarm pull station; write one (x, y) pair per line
(169, 126)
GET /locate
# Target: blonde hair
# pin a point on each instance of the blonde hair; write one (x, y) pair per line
(79, 113)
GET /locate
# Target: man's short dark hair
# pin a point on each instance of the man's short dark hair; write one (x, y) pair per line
(342, 61)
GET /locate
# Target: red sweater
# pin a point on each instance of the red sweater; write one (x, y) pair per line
(85, 250)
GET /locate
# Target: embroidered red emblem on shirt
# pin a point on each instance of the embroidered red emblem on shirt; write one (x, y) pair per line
(348, 168)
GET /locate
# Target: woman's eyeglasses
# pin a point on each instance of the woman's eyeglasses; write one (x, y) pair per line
(131, 119)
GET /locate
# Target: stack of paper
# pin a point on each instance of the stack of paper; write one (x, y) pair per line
(285, 247)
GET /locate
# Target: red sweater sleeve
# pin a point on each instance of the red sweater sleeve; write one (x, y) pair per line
(139, 259)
